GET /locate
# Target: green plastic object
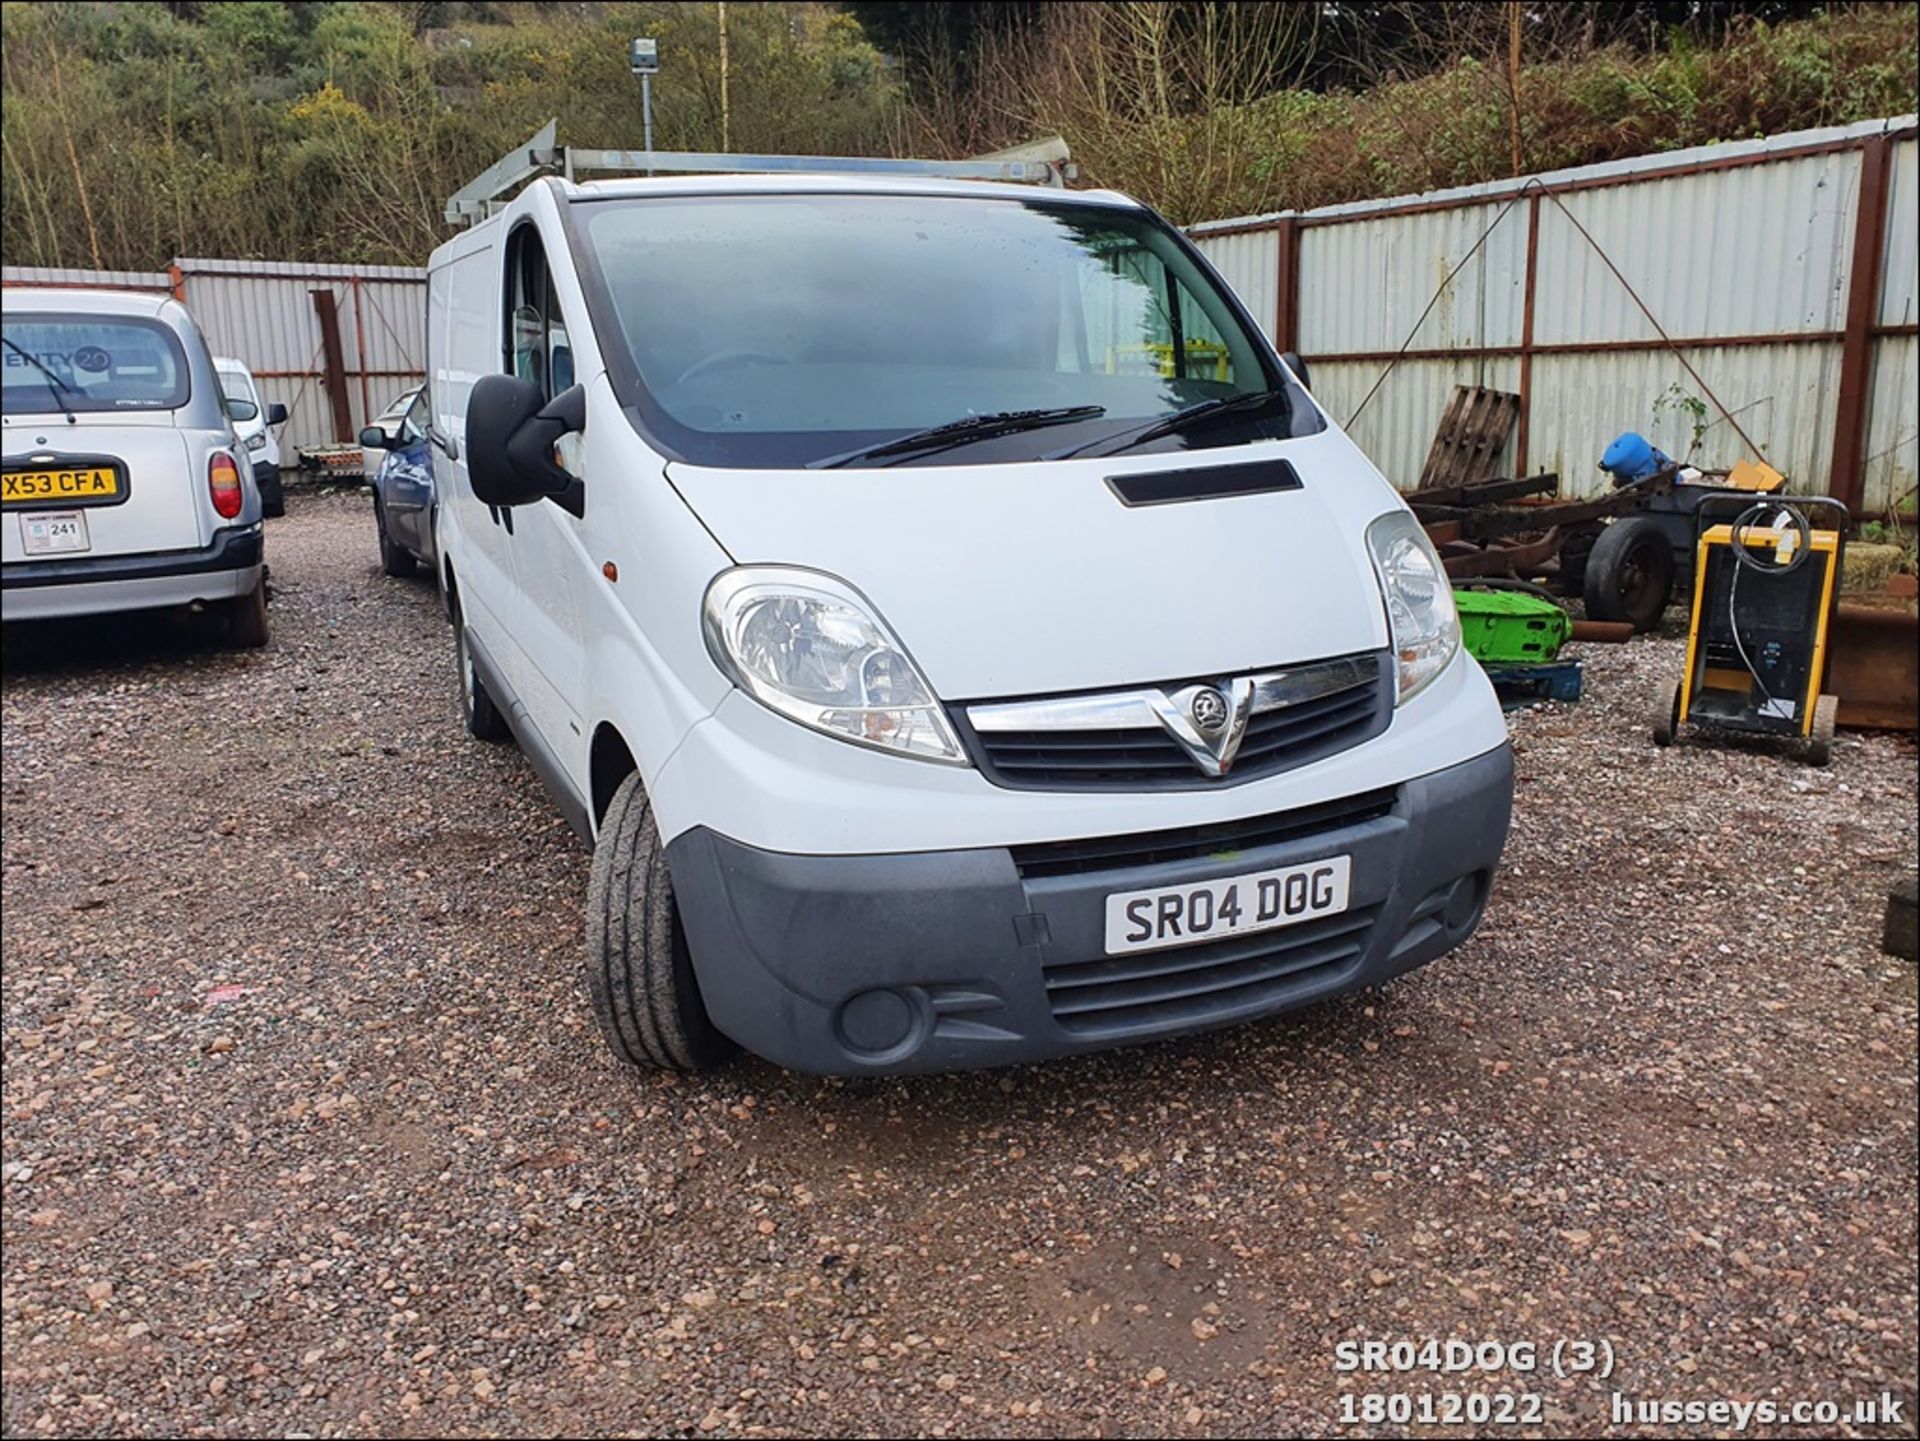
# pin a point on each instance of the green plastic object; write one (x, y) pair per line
(1507, 627)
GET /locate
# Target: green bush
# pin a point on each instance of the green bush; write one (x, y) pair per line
(336, 132)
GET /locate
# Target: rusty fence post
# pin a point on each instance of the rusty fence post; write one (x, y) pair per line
(360, 350)
(1525, 435)
(1847, 476)
(1286, 305)
(327, 309)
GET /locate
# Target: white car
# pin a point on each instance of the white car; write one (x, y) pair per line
(961, 638)
(124, 484)
(388, 421)
(256, 434)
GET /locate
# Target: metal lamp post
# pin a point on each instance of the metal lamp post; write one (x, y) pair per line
(643, 58)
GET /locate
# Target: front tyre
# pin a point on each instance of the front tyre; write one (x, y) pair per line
(1666, 716)
(639, 972)
(273, 494)
(1826, 712)
(483, 718)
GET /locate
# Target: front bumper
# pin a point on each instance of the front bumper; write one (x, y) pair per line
(99, 584)
(879, 964)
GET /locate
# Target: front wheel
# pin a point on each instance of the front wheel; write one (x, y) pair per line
(1826, 712)
(273, 494)
(1666, 716)
(483, 718)
(639, 971)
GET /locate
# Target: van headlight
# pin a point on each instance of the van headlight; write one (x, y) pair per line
(257, 441)
(806, 645)
(1420, 616)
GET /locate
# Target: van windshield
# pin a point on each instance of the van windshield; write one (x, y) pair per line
(237, 386)
(772, 330)
(89, 363)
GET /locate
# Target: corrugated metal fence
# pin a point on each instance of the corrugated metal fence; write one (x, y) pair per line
(1784, 270)
(274, 317)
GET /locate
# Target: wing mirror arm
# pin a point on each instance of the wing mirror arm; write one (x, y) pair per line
(531, 449)
(572, 499)
(511, 437)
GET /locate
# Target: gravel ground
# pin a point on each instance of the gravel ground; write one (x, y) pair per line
(308, 1130)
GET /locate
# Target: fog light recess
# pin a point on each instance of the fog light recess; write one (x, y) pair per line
(1464, 901)
(884, 1025)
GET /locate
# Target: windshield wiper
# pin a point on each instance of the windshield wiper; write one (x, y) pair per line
(962, 432)
(1174, 423)
(40, 365)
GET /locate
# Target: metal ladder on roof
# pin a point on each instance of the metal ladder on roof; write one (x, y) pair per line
(1043, 162)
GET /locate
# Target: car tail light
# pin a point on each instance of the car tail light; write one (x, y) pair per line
(223, 480)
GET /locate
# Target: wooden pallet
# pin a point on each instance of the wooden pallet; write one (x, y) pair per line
(1470, 438)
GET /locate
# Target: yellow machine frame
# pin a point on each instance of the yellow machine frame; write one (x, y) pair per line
(1782, 542)
(1199, 353)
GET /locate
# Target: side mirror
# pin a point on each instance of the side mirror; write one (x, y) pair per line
(242, 410)
(372, 437)
(276, 414)
(510, 440)
(1298, 366)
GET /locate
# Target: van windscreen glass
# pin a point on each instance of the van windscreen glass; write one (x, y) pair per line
(237, 387)
(51, 363)
(778, 329)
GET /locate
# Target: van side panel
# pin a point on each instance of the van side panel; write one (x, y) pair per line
(463, 328)
(551, 565)
(645, 668)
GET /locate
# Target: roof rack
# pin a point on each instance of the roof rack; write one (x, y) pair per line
(1043, 162)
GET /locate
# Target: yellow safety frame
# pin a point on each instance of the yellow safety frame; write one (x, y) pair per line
(1827, 541)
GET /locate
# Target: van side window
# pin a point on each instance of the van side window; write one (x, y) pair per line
(536, 345)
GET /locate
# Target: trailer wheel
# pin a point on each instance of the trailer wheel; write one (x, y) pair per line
(1826, 711)
(1629, 575)
(1666, 717)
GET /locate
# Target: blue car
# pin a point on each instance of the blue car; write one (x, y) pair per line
(402, 484)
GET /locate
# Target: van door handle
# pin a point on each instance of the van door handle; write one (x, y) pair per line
(444, 443)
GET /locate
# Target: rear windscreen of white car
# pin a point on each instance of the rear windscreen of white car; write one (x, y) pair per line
(50, 363)
(772, 329)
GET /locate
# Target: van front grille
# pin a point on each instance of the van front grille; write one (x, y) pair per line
(1112, 853)
(1126, 740)
(1195, 985)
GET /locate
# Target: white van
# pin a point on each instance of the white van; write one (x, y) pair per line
(125, 487)
(959, 636)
